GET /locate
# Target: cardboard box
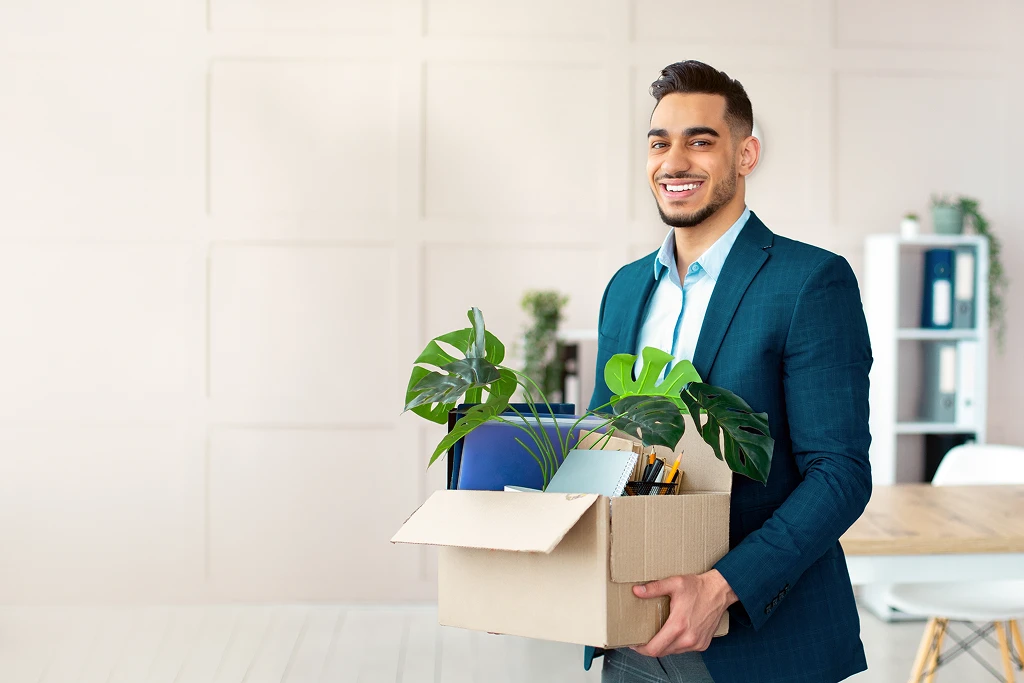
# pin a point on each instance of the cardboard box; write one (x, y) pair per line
(562, 566)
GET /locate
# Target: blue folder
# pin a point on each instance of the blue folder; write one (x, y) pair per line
(937, 301)
(455, 452)
(490, 458)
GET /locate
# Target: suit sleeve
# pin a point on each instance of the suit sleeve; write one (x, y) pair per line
(825, 379)
(599, 397)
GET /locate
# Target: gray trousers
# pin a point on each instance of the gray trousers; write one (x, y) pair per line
(626, 666)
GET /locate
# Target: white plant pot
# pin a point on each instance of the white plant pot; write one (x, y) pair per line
(909, 227)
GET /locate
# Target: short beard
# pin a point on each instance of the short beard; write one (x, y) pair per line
(722, 196)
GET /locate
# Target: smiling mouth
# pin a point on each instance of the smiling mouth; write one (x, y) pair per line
(678, 190)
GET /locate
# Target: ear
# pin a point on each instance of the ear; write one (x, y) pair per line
(749, 154)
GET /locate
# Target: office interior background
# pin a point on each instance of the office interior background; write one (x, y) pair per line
(229, 226)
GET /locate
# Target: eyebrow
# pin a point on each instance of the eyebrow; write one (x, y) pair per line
(688, 133)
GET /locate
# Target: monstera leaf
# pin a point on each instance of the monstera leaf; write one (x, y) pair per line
(432, 393)
(748, 443)
(497, 401)
(655, 420)
(618, 375)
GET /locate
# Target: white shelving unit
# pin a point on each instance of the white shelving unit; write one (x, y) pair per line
(893, 288)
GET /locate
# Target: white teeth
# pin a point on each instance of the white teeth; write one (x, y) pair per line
(681, 188)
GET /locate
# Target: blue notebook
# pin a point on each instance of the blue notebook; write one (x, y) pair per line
(601, 472)
(489, 458)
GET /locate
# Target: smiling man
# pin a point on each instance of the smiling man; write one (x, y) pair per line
(781, 324)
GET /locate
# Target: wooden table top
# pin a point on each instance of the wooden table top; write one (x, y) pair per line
(920, 519)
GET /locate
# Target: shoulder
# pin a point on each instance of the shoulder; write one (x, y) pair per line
(794, 266)
(632, 272)
(806, 263)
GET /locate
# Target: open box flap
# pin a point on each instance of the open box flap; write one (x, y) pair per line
(496, 520)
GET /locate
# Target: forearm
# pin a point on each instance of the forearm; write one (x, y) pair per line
(768, 562)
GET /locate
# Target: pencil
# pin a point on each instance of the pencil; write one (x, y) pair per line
(672, 472)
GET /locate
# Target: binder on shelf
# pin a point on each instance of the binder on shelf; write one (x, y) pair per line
(966, 388)
(937, 307)
(938, 386)
(963, 288)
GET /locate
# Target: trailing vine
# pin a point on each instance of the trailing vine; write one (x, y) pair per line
(997, 280)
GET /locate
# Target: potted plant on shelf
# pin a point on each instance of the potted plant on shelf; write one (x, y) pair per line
(543, 359)
(909, 226)
(947, 216)
(644, 408)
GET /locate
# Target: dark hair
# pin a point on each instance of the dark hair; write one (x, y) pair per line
(692, 76)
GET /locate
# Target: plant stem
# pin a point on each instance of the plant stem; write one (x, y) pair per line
(549, 452)
(551, 412)
(532, 435)
(543, 469)
(586, 414)
(604, 440)
(531, 403)
(591, 431)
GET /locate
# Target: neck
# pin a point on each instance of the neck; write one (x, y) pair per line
(694, 241)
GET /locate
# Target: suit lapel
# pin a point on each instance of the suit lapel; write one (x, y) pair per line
(745, 259)
(640, 289)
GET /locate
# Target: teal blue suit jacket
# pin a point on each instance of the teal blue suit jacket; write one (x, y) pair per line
(784, 330)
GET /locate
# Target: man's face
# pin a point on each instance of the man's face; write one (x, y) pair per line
(691, 158)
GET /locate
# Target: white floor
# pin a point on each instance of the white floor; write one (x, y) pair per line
(300, 644)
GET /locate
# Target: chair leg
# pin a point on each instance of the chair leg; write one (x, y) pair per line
(1004, 648)
(1015, 631)
(924, 650)
(933, 661)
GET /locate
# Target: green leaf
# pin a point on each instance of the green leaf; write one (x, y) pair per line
(748, 442)
(434, 355)
(502, 390)
(438, 388)
(476, 371)
(494, 350)
(432, 393)
(478, 347)
(655, 420)
(617, 371)
(497, 402)
(618, 375)
(461, 376)
(435, 413)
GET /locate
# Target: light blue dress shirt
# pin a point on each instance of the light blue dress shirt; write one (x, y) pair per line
(676, 310)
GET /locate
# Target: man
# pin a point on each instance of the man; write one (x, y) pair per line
(781, 324)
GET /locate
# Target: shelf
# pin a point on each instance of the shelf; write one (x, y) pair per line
(969, 334)
(933, 428)
(933, 240)
(577, 335)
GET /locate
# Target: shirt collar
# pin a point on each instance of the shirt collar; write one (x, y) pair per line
(711, 261)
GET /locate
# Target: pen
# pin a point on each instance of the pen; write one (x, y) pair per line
(655, 470)
(646, 476)
(656, 476)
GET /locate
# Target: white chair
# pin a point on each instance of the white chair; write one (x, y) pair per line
(991, 602)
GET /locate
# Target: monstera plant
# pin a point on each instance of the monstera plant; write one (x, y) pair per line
(646, 407)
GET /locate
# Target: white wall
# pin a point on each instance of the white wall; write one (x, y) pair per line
(227, 228)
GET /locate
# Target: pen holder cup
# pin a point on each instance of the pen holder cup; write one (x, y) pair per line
(650, 488)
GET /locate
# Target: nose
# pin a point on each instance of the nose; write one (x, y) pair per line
(677, 160)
